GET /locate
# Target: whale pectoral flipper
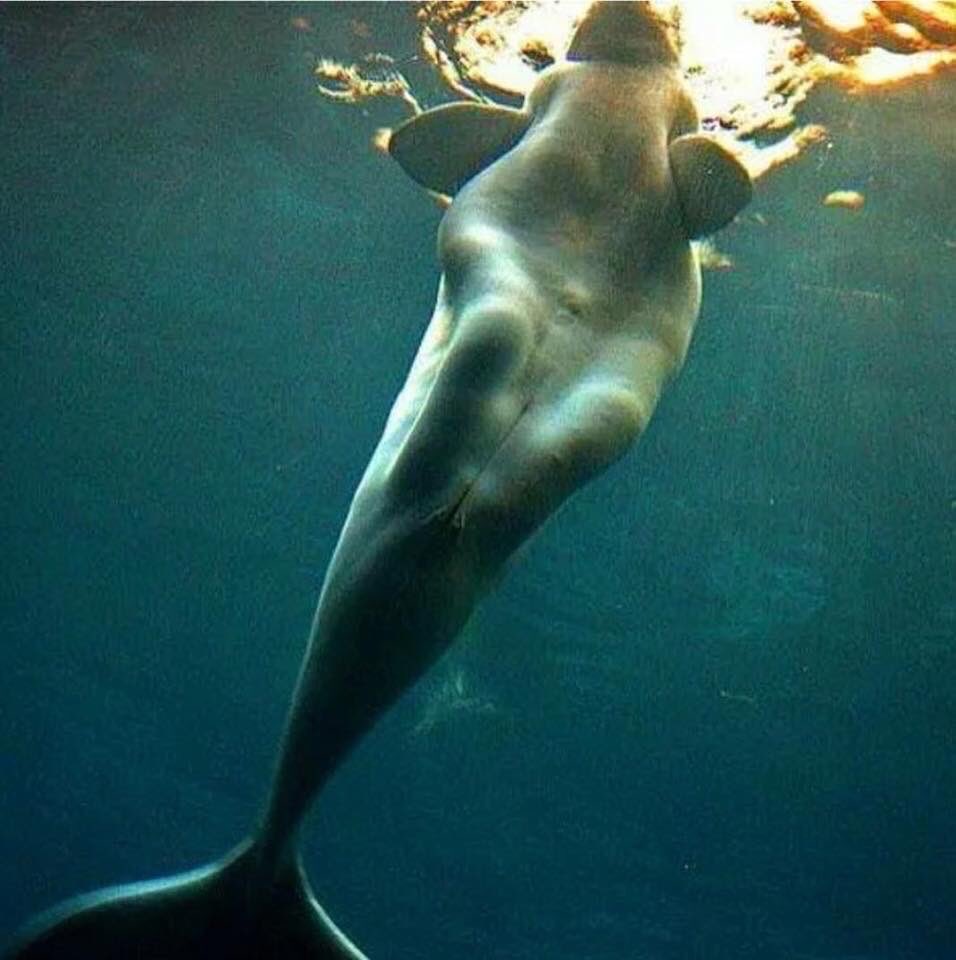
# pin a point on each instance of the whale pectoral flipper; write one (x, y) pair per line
(712, 185)
(443, 148)
(219, 912)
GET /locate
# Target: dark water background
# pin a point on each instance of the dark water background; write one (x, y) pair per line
(710, 714)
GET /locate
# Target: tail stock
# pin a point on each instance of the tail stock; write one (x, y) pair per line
(219, 912)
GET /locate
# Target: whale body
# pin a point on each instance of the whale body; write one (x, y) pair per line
(568, 296)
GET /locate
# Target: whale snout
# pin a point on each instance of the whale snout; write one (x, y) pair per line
(628, 33)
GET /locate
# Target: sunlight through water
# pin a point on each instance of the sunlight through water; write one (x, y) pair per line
(750, 65)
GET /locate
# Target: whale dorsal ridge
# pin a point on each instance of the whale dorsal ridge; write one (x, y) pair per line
(712, 185)
(444, 147)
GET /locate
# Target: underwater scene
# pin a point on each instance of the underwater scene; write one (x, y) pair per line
(635, 645)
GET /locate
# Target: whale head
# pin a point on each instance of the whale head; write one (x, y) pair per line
(624, 33)
(445, 147)
(448, 145)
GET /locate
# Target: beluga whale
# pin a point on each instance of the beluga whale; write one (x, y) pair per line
(569, 291)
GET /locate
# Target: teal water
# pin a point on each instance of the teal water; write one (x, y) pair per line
(711, 713)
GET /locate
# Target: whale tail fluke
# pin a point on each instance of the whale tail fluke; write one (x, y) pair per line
(216, 913)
